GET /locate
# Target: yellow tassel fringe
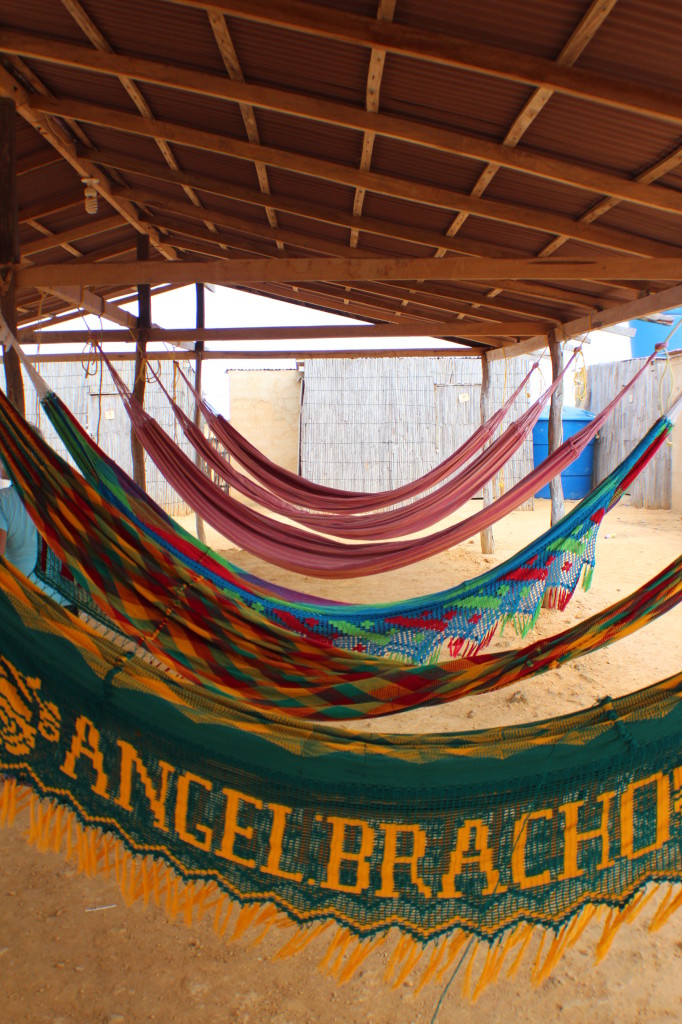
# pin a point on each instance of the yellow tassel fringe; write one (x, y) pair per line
(52, 828)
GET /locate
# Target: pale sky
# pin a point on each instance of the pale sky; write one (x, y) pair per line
(227, 307)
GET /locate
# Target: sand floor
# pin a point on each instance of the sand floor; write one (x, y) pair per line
(71, 952)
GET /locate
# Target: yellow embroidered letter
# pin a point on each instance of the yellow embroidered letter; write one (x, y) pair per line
(521, 830)
(572, 837)
(86, 747)
(130, 759)
(233, 829)
(338, 854)
(627, 815)
(391, 858)
(279, 822)
(182, 807)
(481, 855)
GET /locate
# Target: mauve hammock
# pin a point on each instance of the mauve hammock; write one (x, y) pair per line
(301, 551)
(306, 494)
(422, 513)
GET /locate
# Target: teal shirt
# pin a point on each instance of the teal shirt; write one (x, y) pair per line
(21, 548)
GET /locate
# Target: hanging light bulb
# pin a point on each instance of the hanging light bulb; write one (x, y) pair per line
(91, 194)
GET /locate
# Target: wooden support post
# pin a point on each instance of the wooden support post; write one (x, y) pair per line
(555, 431)
(487, 539)
(144, 322)
(9, 246)
(199, 348)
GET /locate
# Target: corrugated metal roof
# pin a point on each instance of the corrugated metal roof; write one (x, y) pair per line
(324, 173)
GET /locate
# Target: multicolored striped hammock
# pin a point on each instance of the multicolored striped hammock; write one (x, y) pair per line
(457, 849)
(464, 617)
(301, 551)
(423, 512)
(210, 638)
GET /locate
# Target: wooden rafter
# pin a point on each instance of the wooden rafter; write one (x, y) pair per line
(100, 43)
(580, 37)
(453, 51)
(510, 213)
(233, 67)
(377, 59)
(369, 122)
(59, 139)
(667, 299)
(83, 298)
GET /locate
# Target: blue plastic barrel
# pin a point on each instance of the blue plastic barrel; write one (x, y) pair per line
(576, 479)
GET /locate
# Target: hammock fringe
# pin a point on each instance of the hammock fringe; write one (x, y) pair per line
(53, 828)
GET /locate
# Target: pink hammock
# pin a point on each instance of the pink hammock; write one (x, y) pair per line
(397, 522)
(300, 551)
(309, 495)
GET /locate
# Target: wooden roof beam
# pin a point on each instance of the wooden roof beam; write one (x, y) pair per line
(375, 71)
(369, 122)
(528, 217)
(231, 61)
(183, 336)
(90, 227)
(83, 298)
(644, 306)
(348, 270)
(178, 355)
(67, 149)
(88, 27)
(452, 51)
(589, 24)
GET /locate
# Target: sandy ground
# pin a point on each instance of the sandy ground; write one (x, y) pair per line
(72, 953)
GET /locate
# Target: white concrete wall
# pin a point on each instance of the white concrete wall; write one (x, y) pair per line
(265, 407)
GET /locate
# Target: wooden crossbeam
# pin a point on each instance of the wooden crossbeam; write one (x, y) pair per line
(64, 145)
(261, 353)
(82, 298)
(384, 184)
(370, 121)
(647, 304)
(453, 51)
(350, 332)
(352, 269)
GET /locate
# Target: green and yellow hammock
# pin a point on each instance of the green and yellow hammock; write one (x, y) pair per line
(456, 848)
(212, 638)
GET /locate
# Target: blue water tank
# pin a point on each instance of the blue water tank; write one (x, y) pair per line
(576, 479)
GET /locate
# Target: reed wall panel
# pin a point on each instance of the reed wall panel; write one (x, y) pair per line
(374, 424)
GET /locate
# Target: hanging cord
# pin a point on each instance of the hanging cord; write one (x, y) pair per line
(149, 372)
(175, 397)
(663, 406)
(580, 381)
